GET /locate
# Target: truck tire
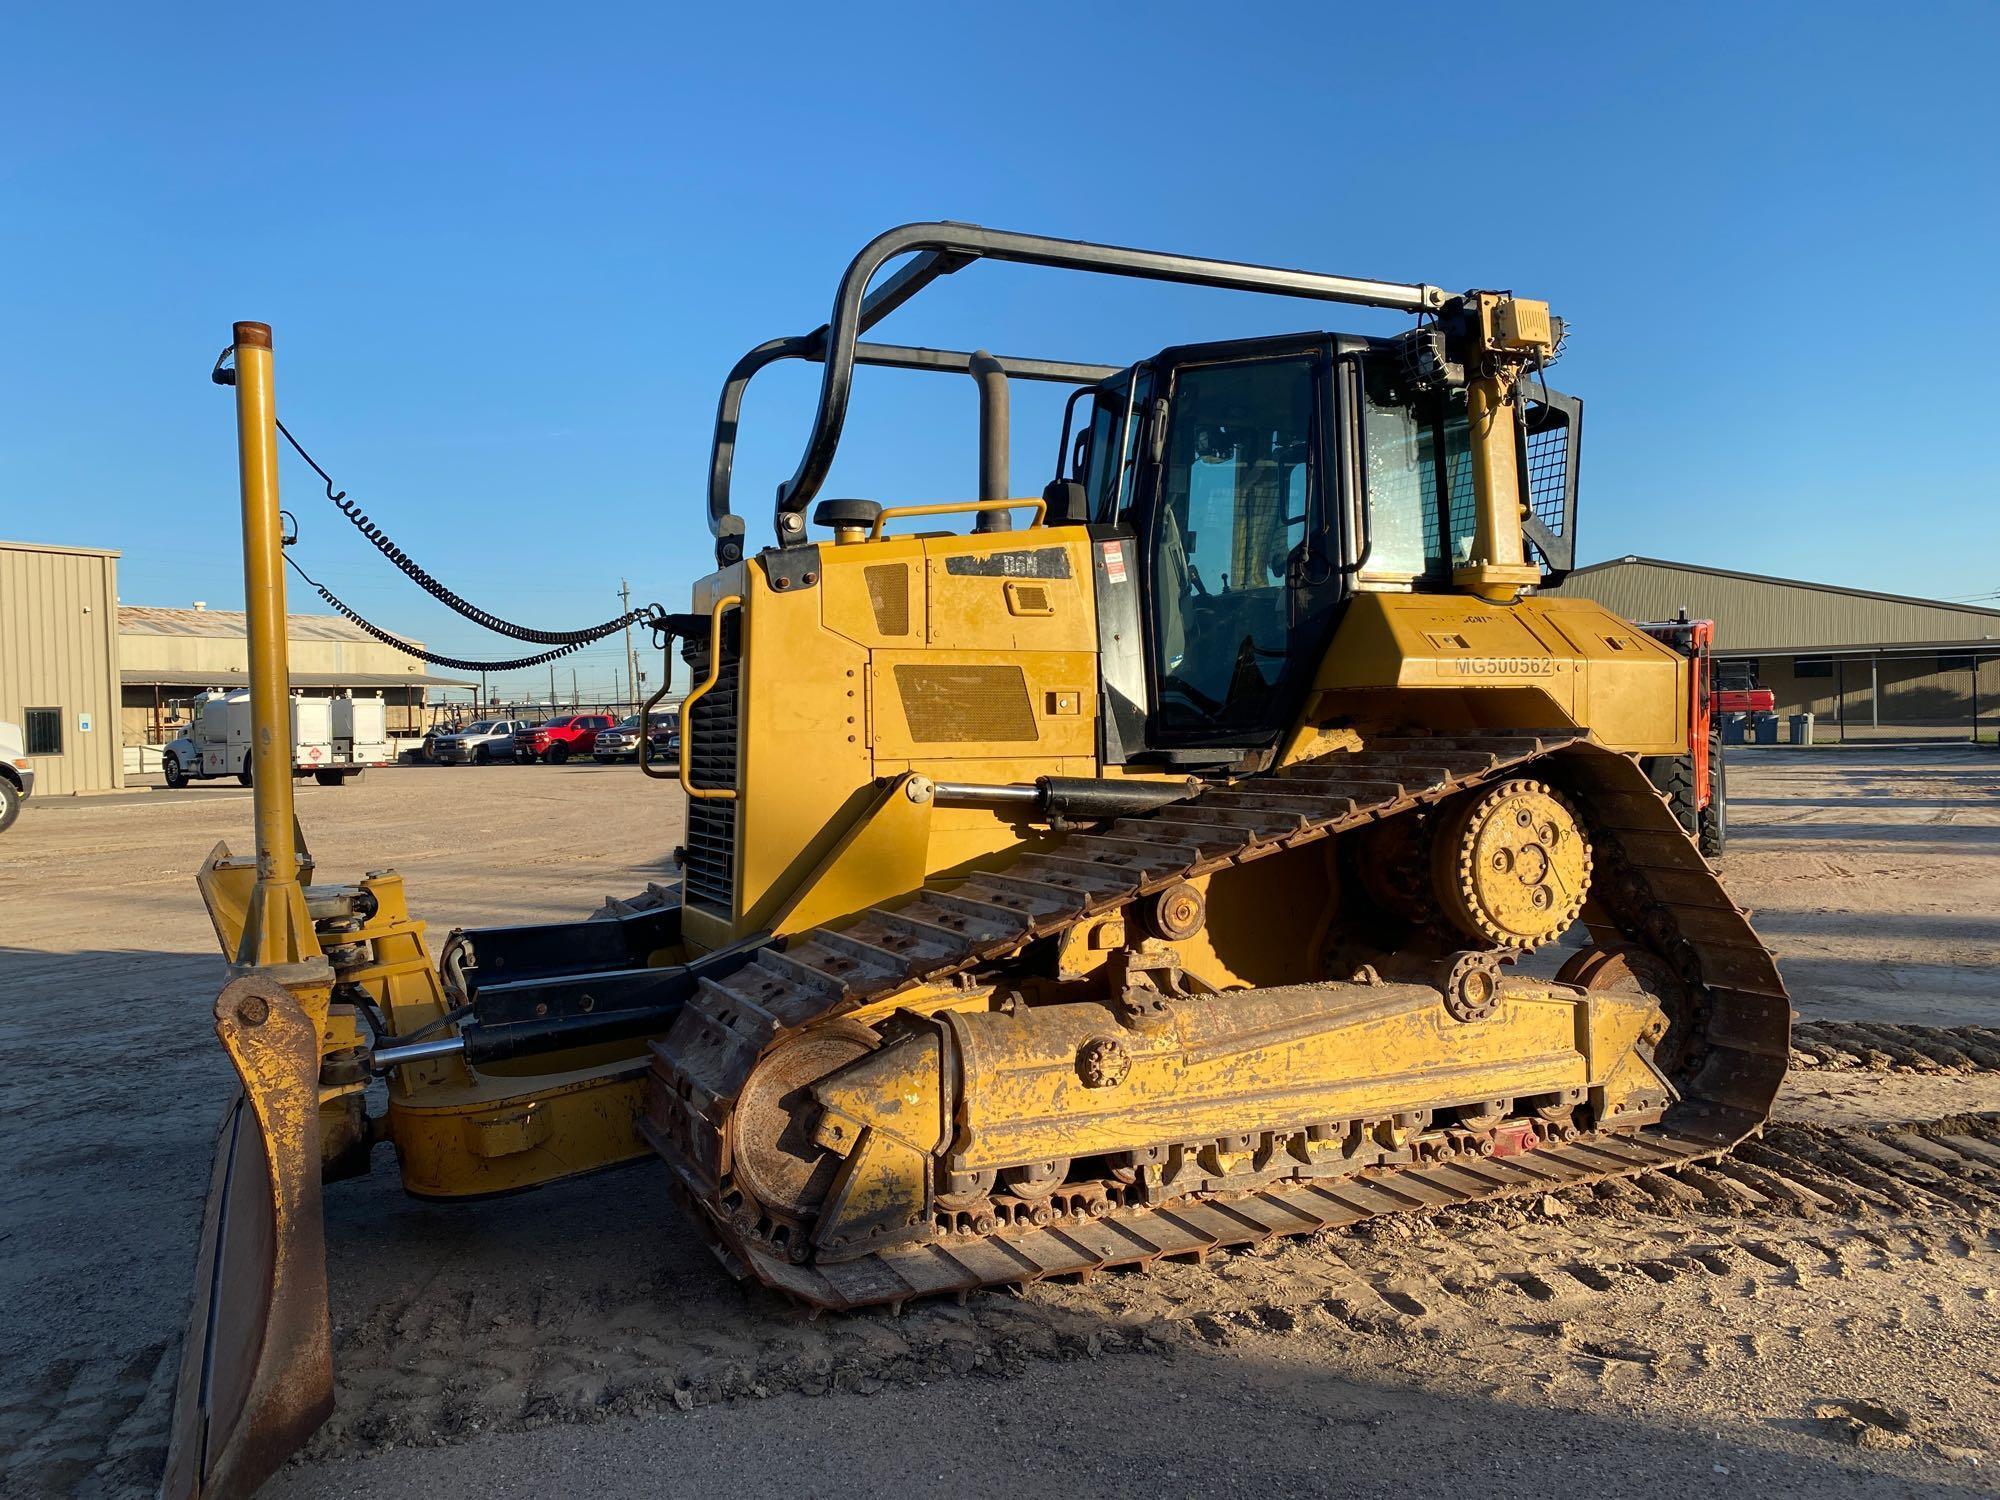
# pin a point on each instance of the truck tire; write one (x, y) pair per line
(244, 774)
(10, 804)
(329, 778)
(170, 767)
(1674, 776)
(1713, 834)
(481, 755)
(558, 753)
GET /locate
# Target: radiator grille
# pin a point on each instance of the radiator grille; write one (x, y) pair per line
(708, 871)
(889, 591)
(959, 705)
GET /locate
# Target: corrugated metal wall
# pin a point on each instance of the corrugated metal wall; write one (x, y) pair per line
(59, 649)
(1916, 698)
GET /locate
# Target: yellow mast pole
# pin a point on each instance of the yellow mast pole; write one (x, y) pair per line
(278, 930)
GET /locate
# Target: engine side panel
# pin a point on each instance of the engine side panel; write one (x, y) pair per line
(1451, 661)
(962, 657)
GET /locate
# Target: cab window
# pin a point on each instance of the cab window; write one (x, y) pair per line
(1109, 463)
(1416, 464)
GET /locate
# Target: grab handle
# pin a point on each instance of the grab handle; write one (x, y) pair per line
(706, 793)
(959, 508)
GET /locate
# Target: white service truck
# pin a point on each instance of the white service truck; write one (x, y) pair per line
(332, 739)
(360, 735)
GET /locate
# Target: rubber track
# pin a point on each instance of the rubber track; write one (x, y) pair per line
(1661, 893)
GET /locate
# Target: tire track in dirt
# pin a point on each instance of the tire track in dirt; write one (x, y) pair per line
(1517, 1296)
(1885, 1048)
(1808, 1237)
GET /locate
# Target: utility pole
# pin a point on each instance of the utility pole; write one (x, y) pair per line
(552, 688)
(631, 660)
(483, 698)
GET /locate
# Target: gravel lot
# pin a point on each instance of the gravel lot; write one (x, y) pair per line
(582, 1338)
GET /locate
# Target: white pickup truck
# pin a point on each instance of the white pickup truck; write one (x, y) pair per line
(17, 777)
(332, 739)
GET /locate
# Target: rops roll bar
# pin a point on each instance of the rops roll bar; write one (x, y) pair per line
(940, 249)
(726, 527)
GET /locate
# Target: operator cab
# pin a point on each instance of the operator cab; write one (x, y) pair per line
(1239, 494)
(1252, 488)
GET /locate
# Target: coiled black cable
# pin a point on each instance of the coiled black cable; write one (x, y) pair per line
(438, 591)
(456, 663)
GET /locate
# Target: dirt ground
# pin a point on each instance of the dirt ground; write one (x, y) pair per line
(1823, 1316)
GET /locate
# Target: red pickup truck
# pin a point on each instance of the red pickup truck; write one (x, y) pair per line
(1737, 690)
(560, 738)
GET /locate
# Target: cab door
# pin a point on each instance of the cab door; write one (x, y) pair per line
(1236, 530)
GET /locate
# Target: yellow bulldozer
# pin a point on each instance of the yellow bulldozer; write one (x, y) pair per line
(1231, 841)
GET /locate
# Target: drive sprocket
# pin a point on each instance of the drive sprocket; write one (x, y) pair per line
(1511, 865)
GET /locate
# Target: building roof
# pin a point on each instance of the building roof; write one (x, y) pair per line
(1789, 583)
(135, 619)
(177, 678)
(58, 547)
(1751, 611)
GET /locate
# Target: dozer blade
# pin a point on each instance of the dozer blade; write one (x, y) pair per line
(256, 1374)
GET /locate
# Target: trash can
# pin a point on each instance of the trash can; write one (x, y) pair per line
(1767, 729)
(1732, 728)
(1802, 729)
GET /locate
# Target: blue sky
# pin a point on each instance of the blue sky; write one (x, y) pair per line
(510, 251)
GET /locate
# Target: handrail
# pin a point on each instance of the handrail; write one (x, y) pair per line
(646, 721)
(957, 508)
(706, 793)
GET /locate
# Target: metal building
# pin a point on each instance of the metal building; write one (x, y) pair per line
(59, 663)
(169, 655)
(1866, 665)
